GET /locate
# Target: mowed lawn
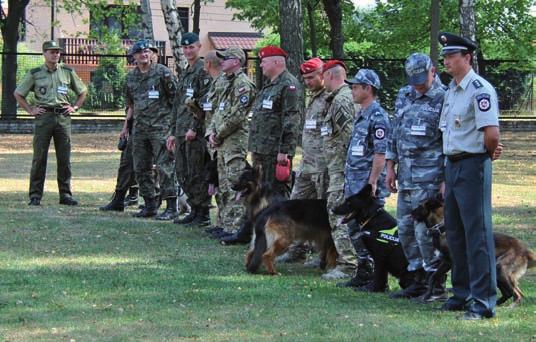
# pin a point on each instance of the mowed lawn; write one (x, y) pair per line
(77, 274)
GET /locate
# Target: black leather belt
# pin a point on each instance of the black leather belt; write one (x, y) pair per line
(464, 155)
(55, 110)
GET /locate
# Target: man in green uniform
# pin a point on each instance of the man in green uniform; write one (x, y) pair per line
(228, 133)
(188, 139)
(50, 84)
(276, 119)
(150, 90)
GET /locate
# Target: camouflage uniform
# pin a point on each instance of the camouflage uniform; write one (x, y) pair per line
(311, 176)
(336, 131)
(230, 126)
(369, 136)
(274, 126)
(150, 95)
(415, 145)
(191, 156)
(50, 90)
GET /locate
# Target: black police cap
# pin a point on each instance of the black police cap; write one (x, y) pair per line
(453, 43)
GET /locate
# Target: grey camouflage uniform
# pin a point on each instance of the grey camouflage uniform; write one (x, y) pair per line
(336, 131)
(230, 126)
(415, 146)
(150, 95)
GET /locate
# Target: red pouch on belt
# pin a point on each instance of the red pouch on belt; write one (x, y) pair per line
(282, 172)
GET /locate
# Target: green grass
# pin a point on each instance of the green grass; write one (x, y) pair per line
(78, 274)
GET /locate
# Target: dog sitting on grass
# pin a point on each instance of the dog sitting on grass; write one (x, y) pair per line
(380, 238)
(512, 256)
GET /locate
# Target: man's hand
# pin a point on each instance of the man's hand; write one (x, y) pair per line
(442, 189)
(124, 132)
(68, 109)
(214, 143)
(374, 187)
(170, 143)
(282, 158)
(36, 111)
(190, 135)
(498, 151)
(390, 179)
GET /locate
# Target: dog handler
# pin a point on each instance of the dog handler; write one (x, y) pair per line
(470, 125)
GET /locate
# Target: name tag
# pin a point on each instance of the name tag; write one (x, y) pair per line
(325, 130)
(207, 106)
(418, 130)
(357, 150)
(190, 92)
(310, 124)
(62, 90)
(222, 106)
(154, 94)
(267, 104)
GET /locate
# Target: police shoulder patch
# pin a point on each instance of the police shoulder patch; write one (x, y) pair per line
(35, 70)
(244, 99)
(477, 84)
(483, 101)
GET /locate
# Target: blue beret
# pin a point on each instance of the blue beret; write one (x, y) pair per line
(189, 38)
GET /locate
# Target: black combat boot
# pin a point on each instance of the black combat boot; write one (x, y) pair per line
(132, 197)
(171, 211)
(116, 204)
(415, 289)
(202, 218)
(362, 276)
(149, 210)
(242, 236)
(188, 218)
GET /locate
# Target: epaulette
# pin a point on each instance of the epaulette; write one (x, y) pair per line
(477, 84)
(67, 68)
(35, 70)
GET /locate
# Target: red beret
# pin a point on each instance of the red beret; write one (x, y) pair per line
(333, 63)
(311, 65)
(270, 50)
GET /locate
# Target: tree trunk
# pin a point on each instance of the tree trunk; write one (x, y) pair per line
(334, 12)
(146, 20)
(312, 26)
(174, 29)
(468, 24)
(10, 34)
(291, 33)
(197, 13)
(434, 31)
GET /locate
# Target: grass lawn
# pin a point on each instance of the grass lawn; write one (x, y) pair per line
(76, 274)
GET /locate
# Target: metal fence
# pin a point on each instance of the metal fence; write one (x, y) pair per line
(105, 74)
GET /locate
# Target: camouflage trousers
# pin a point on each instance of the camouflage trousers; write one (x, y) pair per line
(347, 258)
(268, 163)
(310, 185)
(416, 243)
(125, 174)
(191, 157)
(148, 148)
(230, 167)
(49, 126)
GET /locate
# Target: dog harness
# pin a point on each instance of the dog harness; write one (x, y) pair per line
(389, 236)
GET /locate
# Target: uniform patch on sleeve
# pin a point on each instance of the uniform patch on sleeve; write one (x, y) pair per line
(205, 81)
(244, 99)
(292, 88)
(379, 132)
(477, 84)
(484, 102)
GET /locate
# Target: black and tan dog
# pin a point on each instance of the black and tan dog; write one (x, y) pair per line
(280, 222)
(513, 258)
(380, 238)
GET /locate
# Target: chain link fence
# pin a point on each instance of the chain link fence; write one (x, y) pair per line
(105, 76)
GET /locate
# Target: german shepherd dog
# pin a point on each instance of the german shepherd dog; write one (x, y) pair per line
(385, 249)
(279, 222)
(513, 258)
